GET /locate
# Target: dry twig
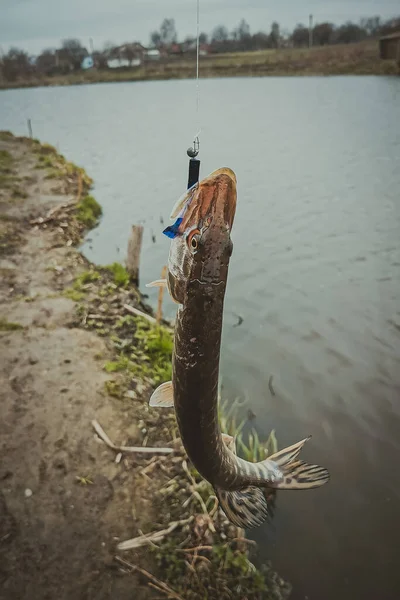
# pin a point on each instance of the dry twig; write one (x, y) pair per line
(151, 538)
(139, 313)
(160, 585)
(102, 434)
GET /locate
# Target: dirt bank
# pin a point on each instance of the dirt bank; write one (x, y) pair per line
(71, 353)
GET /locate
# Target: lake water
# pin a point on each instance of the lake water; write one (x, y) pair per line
(315, 275)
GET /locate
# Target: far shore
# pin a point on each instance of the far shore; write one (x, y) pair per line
(346, 59)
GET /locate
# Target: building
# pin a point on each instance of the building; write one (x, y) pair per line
(389, 47)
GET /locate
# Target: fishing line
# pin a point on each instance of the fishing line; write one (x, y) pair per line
(192, 152)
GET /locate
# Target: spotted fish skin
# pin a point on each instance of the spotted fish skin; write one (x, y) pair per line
(198, 263)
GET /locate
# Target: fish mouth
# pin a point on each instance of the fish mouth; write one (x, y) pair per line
(224, 179)
(223, 171)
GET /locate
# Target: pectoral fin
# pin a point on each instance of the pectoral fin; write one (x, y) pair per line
(158, 283)
(162, 283)
(163, 396)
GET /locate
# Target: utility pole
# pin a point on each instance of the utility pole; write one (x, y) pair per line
(91, 46)
(310, 30)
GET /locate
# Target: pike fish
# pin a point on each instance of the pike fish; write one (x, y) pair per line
(200, 250)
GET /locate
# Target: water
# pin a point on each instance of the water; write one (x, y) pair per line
(314, 274)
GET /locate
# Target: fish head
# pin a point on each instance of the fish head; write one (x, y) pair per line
(201, 243)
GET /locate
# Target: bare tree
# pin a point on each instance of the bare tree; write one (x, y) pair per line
(275, 36)
(350, 32)
(16, 64)
(155, 39)
(323, 34)
(203, 38)
(300, 36)
(74, 51)
(168, 32)
(220, 34)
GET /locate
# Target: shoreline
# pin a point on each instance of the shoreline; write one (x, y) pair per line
(360, 58)
(75, 359)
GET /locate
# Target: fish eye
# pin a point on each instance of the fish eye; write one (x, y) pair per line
(193, 240)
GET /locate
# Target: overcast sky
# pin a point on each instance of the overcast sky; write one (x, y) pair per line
(37, 24)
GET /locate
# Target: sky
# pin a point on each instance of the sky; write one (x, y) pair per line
(37, 24)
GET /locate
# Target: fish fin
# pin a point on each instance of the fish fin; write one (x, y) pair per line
(297, 474)
(244, 508)
(300, 475)
(162, 283)
(287, 455)
(163, 396)
(182, 201)
(158, 283)
(229, 441)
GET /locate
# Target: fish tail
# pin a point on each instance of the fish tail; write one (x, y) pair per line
(244, 508)
(297, 474)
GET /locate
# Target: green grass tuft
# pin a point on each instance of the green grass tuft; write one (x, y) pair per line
(9, 325)
(88, 211)
(74, 294)
(120, 274)
(118, 365)
(86, 277)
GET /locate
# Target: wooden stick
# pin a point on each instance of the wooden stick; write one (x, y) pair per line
(160, 584)
(133, 256)
(139, 313)
(102, 434)
(160, 295)
(151, 538)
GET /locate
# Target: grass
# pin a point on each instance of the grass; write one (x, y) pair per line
(73, 294)
(249, 447)
(9, 325)
(89, 276)
(225, 566)
(88, 211)
(154, 343)
(120, 274)
(143, 350)
(6, 159)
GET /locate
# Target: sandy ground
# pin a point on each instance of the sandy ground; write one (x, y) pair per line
(57, 533)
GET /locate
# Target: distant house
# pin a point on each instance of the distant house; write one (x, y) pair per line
(119, 63)
(126, 55)
(153, 54)
(389, 47)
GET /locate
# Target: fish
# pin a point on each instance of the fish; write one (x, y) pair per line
(199, 255)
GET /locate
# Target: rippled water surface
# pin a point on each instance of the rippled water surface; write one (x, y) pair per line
(315, 275)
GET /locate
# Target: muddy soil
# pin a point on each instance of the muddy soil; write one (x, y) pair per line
(64, 502)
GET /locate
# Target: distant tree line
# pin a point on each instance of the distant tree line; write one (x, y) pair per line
(17, 64)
